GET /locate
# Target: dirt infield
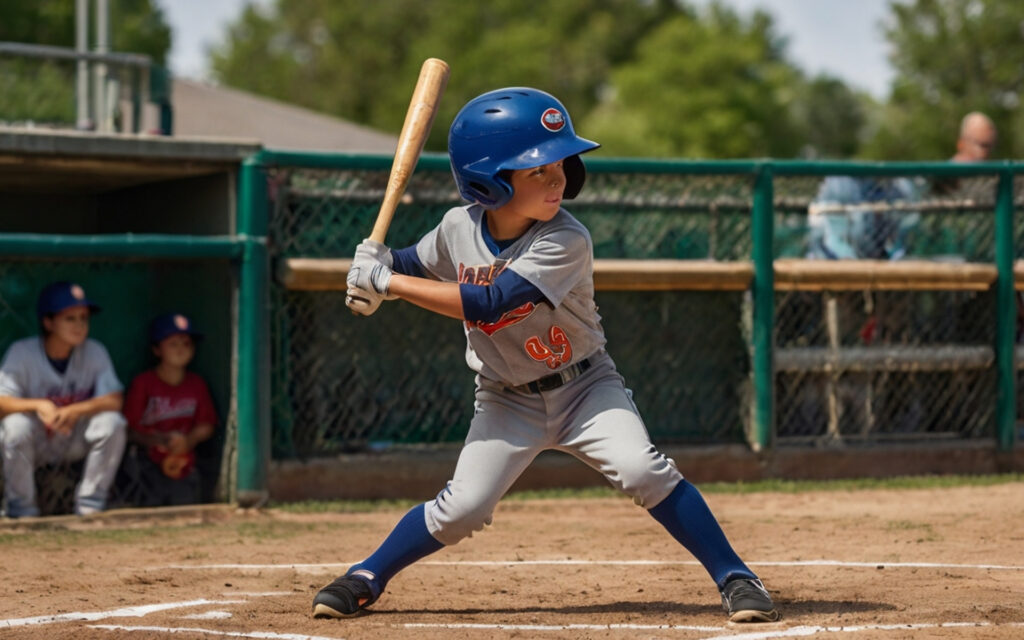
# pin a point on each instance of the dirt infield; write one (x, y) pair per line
(921, 563)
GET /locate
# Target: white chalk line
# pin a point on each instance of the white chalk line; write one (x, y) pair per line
(804, 631)
(213, 632)
(129, 612)
(124, 612)
(528, 563)
(560, 627)
(763, 634)
(209, 615)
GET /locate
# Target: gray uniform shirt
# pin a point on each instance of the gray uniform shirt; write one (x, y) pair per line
(26, 373)
(535, 339)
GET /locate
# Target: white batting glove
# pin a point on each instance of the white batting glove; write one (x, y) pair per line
(370, 275)
(374, 251)
(361, 301)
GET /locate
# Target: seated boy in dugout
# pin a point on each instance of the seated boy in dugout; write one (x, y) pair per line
(169, 412)
(60, 399)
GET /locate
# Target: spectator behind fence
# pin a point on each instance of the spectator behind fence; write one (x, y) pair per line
(977, 139)
(169, 412)
(61, 401)
(860, 218)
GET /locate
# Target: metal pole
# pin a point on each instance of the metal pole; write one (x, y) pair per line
(253, 367)
(764, 309)
(100, 110)
(1006, 315)
(82, 119)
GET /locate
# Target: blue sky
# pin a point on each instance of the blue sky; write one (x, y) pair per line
(839, 37)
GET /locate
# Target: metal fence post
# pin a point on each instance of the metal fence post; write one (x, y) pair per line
(253, 367)
(1006, 315)
(762, 224)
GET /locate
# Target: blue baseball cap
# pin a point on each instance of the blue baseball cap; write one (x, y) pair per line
(169, 324)
(59, 296)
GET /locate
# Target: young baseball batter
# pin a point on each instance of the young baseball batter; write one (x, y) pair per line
(517, 269)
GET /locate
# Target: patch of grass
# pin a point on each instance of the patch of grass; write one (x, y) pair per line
(760, 486)
(55, 537)
(343, 506)
(860, 484)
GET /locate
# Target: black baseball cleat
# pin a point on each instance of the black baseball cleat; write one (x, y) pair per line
(746, 600)
(347, 596)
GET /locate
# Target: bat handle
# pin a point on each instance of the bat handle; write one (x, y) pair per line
(422, 108)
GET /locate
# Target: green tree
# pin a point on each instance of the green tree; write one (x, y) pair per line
(832, 118)
(43, 91)
(136, 26)
(707, 86)
(359, 59)
(952, 57)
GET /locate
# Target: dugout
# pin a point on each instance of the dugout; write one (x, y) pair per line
(146, 225)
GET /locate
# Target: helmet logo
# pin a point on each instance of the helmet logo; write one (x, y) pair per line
(552, 119)
(77, 293)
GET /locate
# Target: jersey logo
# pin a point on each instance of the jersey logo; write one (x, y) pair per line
(558, 353)
(485, 275)
(64, 398)
(507, 319)
(160, 408)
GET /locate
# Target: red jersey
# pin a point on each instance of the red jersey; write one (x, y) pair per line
(153, 406)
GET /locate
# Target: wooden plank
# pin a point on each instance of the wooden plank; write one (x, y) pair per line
(320, 274)
(326, 274)
(671, 275)
(314, 274)
(1018, 275)
(940, 357)
(882, 275)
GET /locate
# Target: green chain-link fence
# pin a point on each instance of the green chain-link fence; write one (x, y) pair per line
(343, 383)
(915, 364)
(869, 364)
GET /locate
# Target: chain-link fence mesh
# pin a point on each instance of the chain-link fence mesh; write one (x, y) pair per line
(343, 383)
(852, 365)
(875, 365)
(130, 293)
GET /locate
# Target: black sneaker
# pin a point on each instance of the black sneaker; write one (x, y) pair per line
(347, 596)
(746, 600)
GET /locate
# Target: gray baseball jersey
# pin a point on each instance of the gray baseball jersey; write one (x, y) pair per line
(26, 373)
(533, 340)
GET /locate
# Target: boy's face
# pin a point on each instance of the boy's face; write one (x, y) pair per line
(537, 192)
(70, 326)
(176, 350)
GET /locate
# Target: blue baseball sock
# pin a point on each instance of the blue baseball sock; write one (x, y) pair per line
(408, 542)
(688, 518)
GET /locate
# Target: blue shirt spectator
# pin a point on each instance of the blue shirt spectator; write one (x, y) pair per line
(860, 217)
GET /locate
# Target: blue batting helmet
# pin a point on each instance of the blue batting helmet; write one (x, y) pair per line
(512, 128)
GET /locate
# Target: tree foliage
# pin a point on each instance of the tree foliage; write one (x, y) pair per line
(644, 77)
(952, 57)
(136, 26)
(359, 59)
(43, 91)
(710, 85)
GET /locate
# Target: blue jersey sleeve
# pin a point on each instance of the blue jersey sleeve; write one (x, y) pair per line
(406, 262)
(487, 303)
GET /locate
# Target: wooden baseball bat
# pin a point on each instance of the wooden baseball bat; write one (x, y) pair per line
(418, 120)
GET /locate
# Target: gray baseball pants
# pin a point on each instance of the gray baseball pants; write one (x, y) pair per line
(100, 439)
(592, 417)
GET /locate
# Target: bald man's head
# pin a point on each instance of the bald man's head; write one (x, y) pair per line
(977, 138)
